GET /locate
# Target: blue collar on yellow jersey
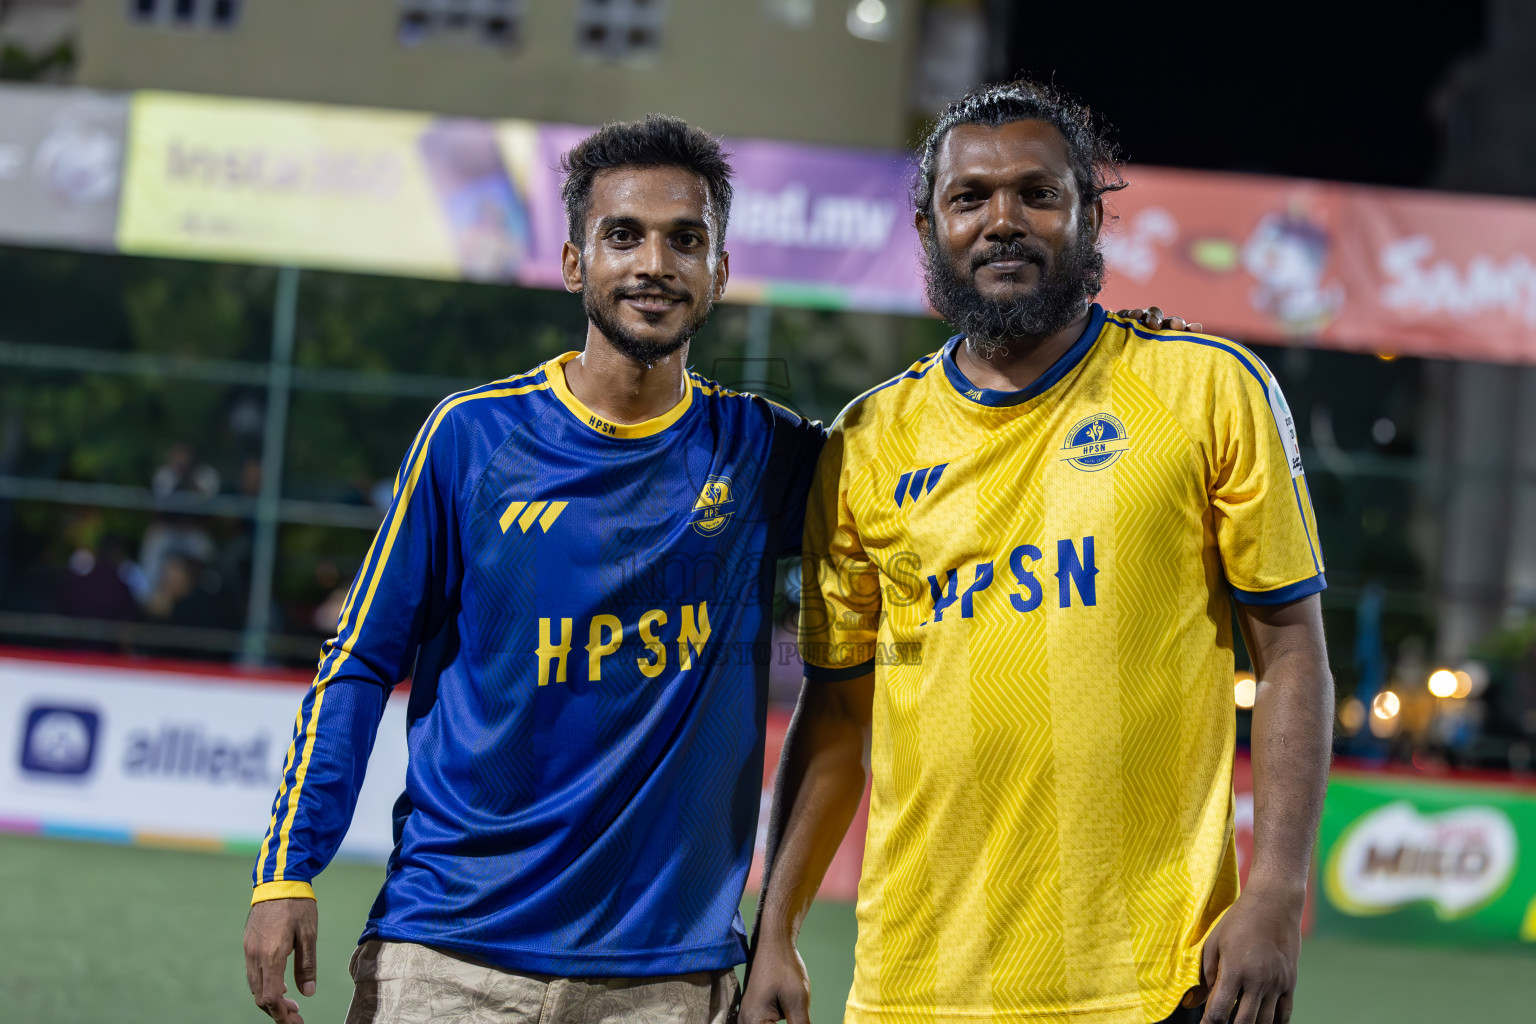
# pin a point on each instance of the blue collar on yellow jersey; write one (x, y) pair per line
(1059, 369)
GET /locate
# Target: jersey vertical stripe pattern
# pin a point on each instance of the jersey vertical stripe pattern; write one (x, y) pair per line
(1040, 581)
(583, 609)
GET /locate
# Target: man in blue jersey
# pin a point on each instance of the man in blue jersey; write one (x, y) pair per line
(575, 569)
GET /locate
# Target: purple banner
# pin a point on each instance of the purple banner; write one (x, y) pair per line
(810, 226)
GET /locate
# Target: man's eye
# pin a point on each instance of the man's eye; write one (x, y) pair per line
(621, 235)
(963, 198)
(1044, 194)
(689, 239)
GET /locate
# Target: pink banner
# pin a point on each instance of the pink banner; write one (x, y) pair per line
(1340, 266)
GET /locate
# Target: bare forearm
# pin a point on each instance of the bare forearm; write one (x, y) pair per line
(821, 780)
(1292, 734)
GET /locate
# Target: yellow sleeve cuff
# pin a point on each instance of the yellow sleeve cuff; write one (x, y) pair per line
(282, 891)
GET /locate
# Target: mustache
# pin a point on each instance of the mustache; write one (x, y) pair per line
(655, 288)
(1014, 250)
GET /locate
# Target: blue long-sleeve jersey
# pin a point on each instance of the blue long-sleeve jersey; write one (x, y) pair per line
(584, 609)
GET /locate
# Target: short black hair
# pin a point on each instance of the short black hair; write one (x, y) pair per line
(1095, 157)
(655, 140)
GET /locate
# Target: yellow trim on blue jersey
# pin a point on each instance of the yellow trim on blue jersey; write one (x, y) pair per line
(343, 647)
(606, 427)
(715, 390)
(282, 891)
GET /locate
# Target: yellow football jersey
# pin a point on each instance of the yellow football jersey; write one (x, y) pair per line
(1040, 581)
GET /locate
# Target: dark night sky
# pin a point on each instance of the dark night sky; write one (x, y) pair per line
(1338, 90)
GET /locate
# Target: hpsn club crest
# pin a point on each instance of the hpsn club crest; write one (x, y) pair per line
(714, 507)
(1095, 442)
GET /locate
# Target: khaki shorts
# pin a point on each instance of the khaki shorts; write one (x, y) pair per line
(403, 983)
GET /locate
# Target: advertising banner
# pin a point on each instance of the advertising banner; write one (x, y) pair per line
(165, 757)
(1339, 266)
(1434, 862)
(1260, 259)
(810, 225)
(191, 758)
(255, 181)
(61, 160)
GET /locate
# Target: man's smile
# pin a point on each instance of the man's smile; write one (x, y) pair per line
(652, 302)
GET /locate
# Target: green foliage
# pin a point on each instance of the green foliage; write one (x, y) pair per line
(1509, 645)
(113, 428)
(56, 62)
(117, 428)
(341, 444)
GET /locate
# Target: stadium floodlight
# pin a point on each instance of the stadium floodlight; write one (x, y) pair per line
(870, 19)
(1352, 715)
(1245, 690)
(1443, 683)
(1385, 720)
(1386, 705)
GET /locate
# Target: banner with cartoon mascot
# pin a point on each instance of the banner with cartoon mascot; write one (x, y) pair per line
(1339, 266)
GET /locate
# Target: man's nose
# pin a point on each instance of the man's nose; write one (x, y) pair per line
(1007, 218)
(655, 258)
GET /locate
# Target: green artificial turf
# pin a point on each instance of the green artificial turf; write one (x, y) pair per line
(95, 934)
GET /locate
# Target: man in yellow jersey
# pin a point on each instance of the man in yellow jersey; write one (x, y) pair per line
(1021, 558)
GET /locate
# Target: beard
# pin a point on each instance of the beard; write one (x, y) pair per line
(604, 316)
(1066, 284)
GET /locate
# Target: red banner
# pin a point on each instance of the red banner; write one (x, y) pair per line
(1340, 266)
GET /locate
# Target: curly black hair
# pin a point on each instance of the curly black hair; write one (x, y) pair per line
(1095, 156)
(655, 140)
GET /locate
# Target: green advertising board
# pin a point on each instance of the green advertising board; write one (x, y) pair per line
(1427, 861)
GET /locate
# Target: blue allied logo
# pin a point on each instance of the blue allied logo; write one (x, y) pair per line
(1095, 442)
(59, 740)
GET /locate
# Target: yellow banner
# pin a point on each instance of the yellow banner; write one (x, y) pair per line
(267, 182)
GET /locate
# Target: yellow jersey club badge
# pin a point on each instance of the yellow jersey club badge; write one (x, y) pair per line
(714, 507)
(1095, 442)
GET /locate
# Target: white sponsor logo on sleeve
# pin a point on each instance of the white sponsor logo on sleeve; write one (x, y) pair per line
(1287, 424)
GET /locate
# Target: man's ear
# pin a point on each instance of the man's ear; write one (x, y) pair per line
(1096, 217)
(722, 273)
(920, 221)
(570, 266)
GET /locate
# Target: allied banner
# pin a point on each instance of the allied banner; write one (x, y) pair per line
(1435, 862)
(1255, 258)
(165, 757)
(191, 757)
